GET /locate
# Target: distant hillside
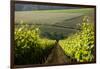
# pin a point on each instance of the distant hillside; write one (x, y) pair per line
(29, 7)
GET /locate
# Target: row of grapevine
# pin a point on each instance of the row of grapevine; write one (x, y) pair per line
(29, 47)
(81, 44)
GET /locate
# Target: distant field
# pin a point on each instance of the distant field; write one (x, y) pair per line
(43, 18)
(51, 15)
(60, 18)
(58, 30)
(81, 10)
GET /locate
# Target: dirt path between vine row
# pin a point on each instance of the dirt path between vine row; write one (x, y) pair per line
(57, 56)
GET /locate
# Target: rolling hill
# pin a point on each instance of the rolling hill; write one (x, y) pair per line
(55, 21)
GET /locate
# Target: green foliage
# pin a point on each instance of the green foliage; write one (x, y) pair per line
(81, 44)
(29, 47)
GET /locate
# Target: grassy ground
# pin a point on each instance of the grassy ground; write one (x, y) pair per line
(49, 16)
(82, 10)
(43, 18)
(63, 20)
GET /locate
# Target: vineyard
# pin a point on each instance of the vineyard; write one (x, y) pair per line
(29, 45)
(54, 36)
(80, 45)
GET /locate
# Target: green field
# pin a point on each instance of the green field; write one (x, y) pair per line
(37, 32)
(48, 18)
(52, 16)
(55, 21)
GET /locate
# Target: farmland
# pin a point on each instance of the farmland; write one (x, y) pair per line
(54, 36)
(59, 21)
